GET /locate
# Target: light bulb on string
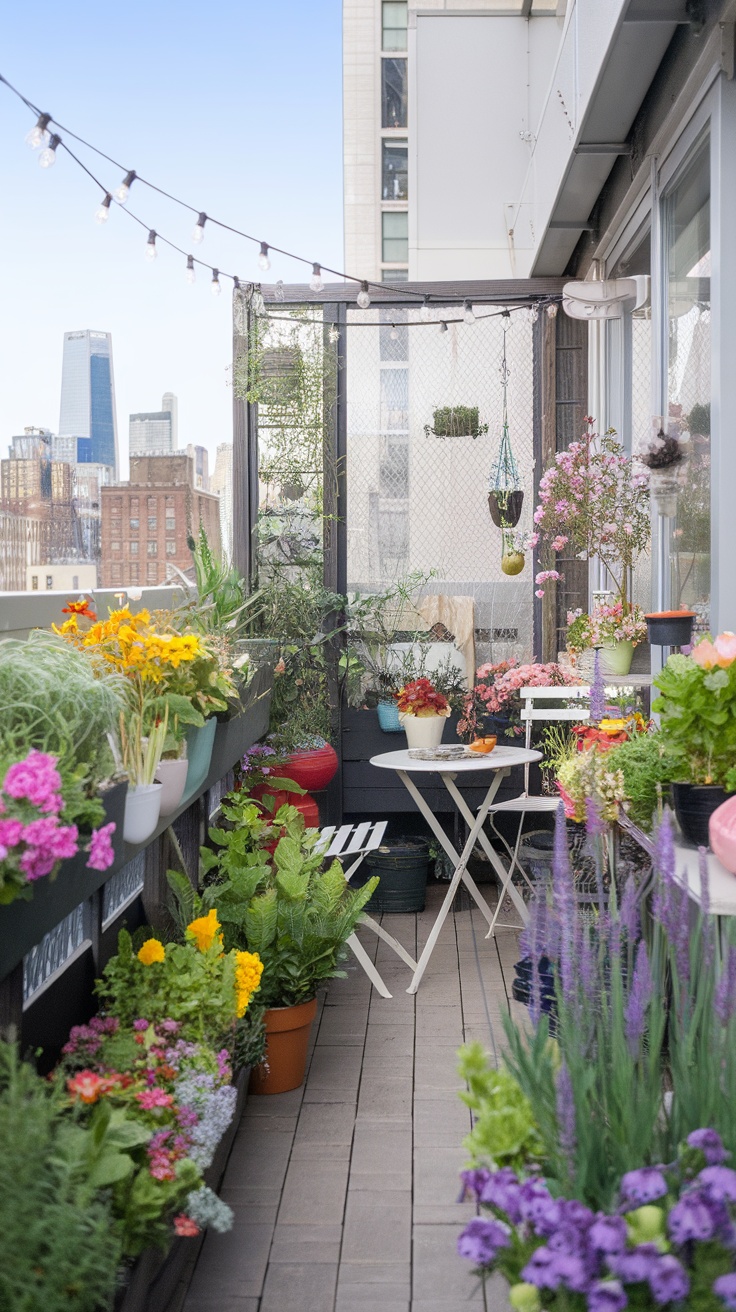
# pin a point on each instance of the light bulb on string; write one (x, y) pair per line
(48, 155)
(263, 261)
(39, 135)
(215, 287)
(151, 251)
(103, 213)
(443, 327)
(315, 283)
(468, 315)
(190, 273)
(425, 314)
(394, 334)
(552, 311)
(122, 192)
(198, 233)
(363, 298)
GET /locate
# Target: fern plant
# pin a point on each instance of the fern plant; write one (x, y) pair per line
(290, 910)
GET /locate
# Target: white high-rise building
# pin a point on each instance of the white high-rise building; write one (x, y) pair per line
(221, 482)
(149, 433)
(88, 398)
(171, 403)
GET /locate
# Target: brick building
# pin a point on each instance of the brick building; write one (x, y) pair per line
(146, 522)
(39, 491)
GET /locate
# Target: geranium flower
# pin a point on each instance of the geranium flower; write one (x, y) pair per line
(101, 855)
(151, 951)
(87, 1086)
(152, 1098)
(185, 1226)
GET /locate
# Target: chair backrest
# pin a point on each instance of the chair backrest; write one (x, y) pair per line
(351, 840)
(531, 713)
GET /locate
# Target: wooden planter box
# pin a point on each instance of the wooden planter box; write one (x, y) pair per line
(23, 924)
(153, 1279)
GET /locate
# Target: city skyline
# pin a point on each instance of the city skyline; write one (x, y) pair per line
(103, 75)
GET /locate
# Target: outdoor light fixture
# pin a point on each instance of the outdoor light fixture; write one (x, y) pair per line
(190, 274)
(363, 296)
(215, 287)
(605, 298)
(48, 156)
(263, 261)
(198, 233)
(122, 192)
(316, 284)
(151, 251)
(39, 135)
(103, 213)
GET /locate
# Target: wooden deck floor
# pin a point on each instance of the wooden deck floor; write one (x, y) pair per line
(345, 1190)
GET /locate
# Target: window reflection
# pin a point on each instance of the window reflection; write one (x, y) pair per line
(394, 184)
(393, 93)
(687, 229)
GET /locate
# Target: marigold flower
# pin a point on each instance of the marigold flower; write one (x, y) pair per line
(204, 930)
(248, 971)
(151, 951)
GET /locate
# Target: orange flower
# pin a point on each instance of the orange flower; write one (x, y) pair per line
(81, 607)
(87, 1086)
(204, 930)
(151, 951)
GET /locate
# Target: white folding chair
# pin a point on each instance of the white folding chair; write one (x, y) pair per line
(357, 841)
(529, 803)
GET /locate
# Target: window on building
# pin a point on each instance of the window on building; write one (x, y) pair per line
(152, 548)
(395, 237)
(75, 582)
(133, 571)
(393, 335)
(394, 184)
(34, 582)
(152, 572)
(49, 582)
(116, 574)
(393, 93)
(394, 275)
(151, 504)
(170, 548)
(152, 523)
(394, 398)
(134, 505)
(115, 545)
(394, 19)
(135, 523)
(170, 522)
(686, 226)
(133, 548)
(394, 466)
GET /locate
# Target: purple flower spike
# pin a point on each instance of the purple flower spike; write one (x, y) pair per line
(566, 1117)
(640, 995)
(597, 691)
(710, 1144)
(645, 1185)
(635, 1264)
(608, 1234)
(572, 1271)
(474, 1181)
(481, 1240)
(669, 1280)
(691, 1218)
(724, 1002)
(538, 1206)
(564, 897)
(720, 1182)
(607, 1296)
(629, 915)
(541, 1269)
(502, 1190)
(725, 1288)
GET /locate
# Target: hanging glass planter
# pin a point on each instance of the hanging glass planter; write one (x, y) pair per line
(505, 495)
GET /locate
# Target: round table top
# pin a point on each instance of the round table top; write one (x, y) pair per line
(499, 759)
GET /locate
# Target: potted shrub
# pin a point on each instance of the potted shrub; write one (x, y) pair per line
(455, 421)
(612, 630)
(697, 709)
(422, 713)
(289, 910)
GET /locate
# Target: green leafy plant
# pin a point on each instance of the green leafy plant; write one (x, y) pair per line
(646, 766)
(59, 1248)
(698, 716)
(223, 603)
(504, 1131)
(456, 421)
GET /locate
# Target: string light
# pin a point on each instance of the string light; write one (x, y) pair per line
(190, 274)
(552, 311)
(363, 297)
(215, 287)
(48, 156)
(426, 311)
(394, 334)
(198, 234)
(39, 135)
(151, 251)
(443, 327)
(316, 284)
(103, 213)
(468, 315)
(122, 192)
(263, 261)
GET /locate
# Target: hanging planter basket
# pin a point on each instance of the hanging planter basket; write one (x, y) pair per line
(505, 506)
(456, 421)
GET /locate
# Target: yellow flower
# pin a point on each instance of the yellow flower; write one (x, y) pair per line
(248, 971)
(204, 930)
(151, 951)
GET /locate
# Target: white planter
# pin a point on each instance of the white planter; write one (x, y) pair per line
(422, 730)
(142, 810)
(172, 775)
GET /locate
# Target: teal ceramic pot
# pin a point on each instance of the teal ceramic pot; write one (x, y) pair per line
(200, 741)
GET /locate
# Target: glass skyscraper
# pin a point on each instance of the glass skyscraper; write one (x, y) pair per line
(88, 398)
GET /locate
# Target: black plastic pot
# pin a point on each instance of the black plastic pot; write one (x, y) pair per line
(522, 985)
(670, 628)
(402, 869)
(505, 507)
(694, 805)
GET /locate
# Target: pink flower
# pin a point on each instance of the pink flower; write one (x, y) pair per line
(151, 1098)
(101, 855)
(539, 592)
(34, 865)
(560, 542)
(184, 1225)
(725, 645)
(37, 779)
(11, 832)
(705, 655)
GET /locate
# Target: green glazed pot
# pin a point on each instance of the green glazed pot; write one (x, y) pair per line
(617, 659)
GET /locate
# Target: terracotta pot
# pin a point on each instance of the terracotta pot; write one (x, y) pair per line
(287, 1040)
(312, 770)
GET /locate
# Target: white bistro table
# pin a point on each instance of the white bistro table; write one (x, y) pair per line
(496, 765)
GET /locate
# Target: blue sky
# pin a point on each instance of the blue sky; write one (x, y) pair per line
(235, 107)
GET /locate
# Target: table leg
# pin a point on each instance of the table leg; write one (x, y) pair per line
(491, 853)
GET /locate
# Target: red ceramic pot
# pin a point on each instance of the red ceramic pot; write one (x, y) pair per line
(312, 770)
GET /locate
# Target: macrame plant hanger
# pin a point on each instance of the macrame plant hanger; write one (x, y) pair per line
(505, 494)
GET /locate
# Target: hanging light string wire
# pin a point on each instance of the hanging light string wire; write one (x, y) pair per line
(264, 246)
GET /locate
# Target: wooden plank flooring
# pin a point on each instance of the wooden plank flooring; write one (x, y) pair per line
(345, 1191)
